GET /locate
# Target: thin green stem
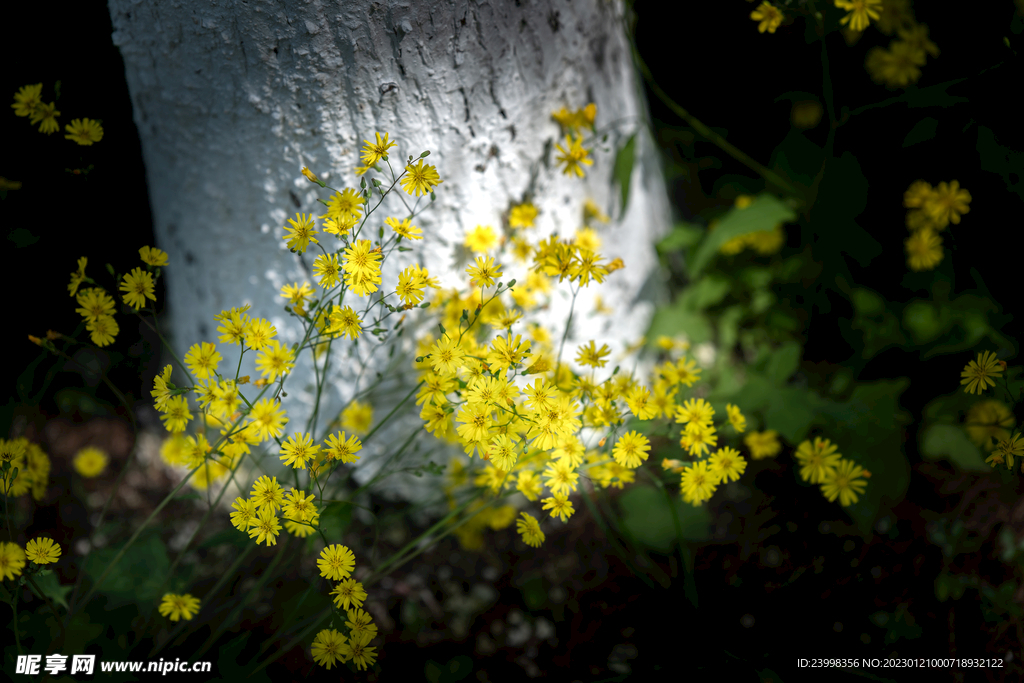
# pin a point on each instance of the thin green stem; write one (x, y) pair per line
(117, 558)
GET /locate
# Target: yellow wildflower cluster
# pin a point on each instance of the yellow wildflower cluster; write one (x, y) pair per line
(28, 102)
(900, 64)
(25, 468)
(931, 209)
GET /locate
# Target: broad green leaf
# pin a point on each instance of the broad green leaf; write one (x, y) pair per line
(791, 412)
(683, 235)
(648, 517)
(923, 130)
(925, 321)
(765, 213)
(952, 443)
(783, 362)
(1002, 160)
(138, 574)
(677, 318)
(624, 168)
(50, 585)
(704, 292)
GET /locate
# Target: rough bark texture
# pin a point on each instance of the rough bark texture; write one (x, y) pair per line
(231, 99)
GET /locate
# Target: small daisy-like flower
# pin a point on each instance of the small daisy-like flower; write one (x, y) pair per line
(298, 450)
(153, 256)
(481, 239)
(631, 450)
(560, 506)
(572, 156)
(336, 562)
(137, 287)
(301, 232)
(95, 303)
(265, 528)
(946, 203)
(861, 12)
(977, 375)
(12, 560)
(522, 215)
(90, 462)
(844, 482)
(268, 417)
(529, 528)
(202, 360)
(817, 461)
(375, 151)
(698, 482)
(924, 250)
(360, 622)
(402, 227)
(419, 179)
(179, 606)
(763, 444)
(245, 513)
(357, 650)
(769, 15)
(84, 131)
(27, 99)
(728, 464)
(348, 594)
(357, 417)
(267, 494)
(46, 116)
(42, 550)
(736, 419)
(327, 647)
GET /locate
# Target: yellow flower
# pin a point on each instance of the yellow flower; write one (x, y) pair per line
(179, 606)
(46, 116)
(12, 559)
(988, 422)
(844, 482)
(817, 461)
(924, 250)
(946, 202)
(529, 528)
(763, 444)
(27, 99)
(153, 256)
(861, 11)
(522, 215)
(481, 239)
(419, 180)
(375, 151)
(572, 155)
(42, 550)
(90, 461)
(769, 15)
(977, 375)
(357, 417)
(84, 131)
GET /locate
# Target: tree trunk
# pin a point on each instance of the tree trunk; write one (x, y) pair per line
(231, 99)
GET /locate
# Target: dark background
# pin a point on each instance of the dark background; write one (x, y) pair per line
(712, 61)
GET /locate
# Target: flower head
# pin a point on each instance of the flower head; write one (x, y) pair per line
(375, 151)
(179, 606)
(977, 375)
(419, 179)
(27, 99)
(572, 156)
(137, 287)
(817, 460)
(84, 131)
(42, 550)
(12, 559)
(90, 461)
(769, 17)
(336, 562)
(327, 647)
(844, 482)
(529, 528)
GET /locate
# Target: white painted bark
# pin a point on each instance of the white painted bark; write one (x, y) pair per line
(232, 98)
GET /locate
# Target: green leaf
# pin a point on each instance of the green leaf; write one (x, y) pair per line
(791, 412)
(50, 586)
(765, 213)
(137, 576)
(1004, 161)
(704, 292)
(925, 321)
(953, 444)
(683, 235)
(624, 168)
(783, 362)
(671, 320)
(922, 131)
(647, 516)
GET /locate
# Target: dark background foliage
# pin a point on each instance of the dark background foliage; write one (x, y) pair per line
(777, 580)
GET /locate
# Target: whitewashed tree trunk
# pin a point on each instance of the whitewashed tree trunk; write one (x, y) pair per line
(232, 98)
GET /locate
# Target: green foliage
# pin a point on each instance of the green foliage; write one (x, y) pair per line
(951, 443)
(623, 168)
(763, 214)
(648, 518)
(138, 576)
